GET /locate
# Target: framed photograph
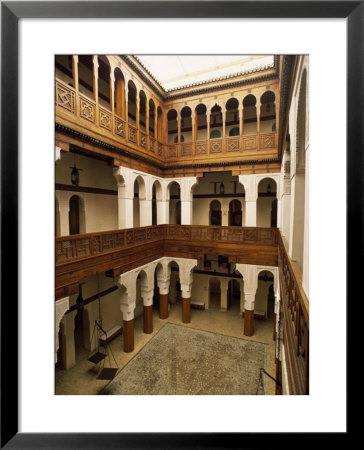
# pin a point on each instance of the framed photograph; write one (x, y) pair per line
(42, 44)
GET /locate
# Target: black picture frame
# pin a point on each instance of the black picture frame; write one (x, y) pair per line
(11, 12)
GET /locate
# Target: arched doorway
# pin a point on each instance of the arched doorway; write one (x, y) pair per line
(267, 203)
(267, 112)
(104, 81)
(201, 122)
(172, 126)
(215, 213)
(233, 296)
(174, 203)
(76, 215)
(235, 214)
(214, 293)
(139, 194)
(215, 122)
(82, 335)
(119, 93)
(186, 123)
(232, 117)
(250, 114)
(264, 297)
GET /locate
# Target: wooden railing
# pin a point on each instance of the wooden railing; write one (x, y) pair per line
(238, 235)
(91, 244)
(295, 321)
(228, 145)
(72, 102)
(80, 246)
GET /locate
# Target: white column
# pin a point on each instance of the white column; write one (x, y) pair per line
(125, 197)
(62, 306)
(187, 199)
(162, 212)
(250, 211)
(186, 212)
(224, 283)
(145, 212)
(64, 223)
(249, 183)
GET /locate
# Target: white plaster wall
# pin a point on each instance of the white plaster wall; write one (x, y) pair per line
(264, 206)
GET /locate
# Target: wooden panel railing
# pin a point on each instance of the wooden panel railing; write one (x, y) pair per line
(81, 246)
(239, 235)
(295, 322)
(87, 245)
(69, 101)
(232, 144)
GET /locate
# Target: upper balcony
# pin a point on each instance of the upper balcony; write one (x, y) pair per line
(116, 116)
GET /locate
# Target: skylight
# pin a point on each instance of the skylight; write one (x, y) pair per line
(177, 71)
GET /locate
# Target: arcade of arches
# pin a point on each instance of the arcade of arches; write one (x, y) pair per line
(187, 206)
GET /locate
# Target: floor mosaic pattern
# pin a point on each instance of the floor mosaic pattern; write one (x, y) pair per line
(181, 360)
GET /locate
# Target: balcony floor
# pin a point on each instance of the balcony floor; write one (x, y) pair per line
(81, 379)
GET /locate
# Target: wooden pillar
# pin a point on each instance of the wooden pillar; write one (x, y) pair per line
(147, 116)
(186, 310)
(241, 121)
(163, 306)
(179, 128)
(112, 93)
(126, 106)
(249, 322)
(223, 122)
(128, 335)
(95, 77)
(75, 71)
(148, 319)
(137, 101)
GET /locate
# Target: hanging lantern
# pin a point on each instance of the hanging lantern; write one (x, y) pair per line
(222, 188)
(79, 303)
(268, 189)
(265, 278)
(75, 176)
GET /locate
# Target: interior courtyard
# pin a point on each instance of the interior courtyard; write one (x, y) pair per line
(181, 225)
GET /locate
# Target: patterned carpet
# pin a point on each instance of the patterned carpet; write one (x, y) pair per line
(183, 361)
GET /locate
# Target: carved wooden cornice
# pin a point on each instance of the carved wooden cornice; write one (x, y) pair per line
(163, 167)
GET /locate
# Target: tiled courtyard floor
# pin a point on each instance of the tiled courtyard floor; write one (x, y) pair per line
(176, 371)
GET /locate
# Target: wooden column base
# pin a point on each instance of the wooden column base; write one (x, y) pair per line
(249, 322)
(148, 319)
(163, 306)
(128, 334)
(186, 310)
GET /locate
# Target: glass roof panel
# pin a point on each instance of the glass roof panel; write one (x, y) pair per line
(177, 71)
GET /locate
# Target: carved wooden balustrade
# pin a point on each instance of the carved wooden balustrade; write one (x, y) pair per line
(79, 105)
(295, 322)
(81, 246)
(244, 144)
(238, 235)
(91, 244)
(72, 104)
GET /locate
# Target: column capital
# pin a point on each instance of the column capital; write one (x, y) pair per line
(163, 285)
(147, 296)
(186, 290)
